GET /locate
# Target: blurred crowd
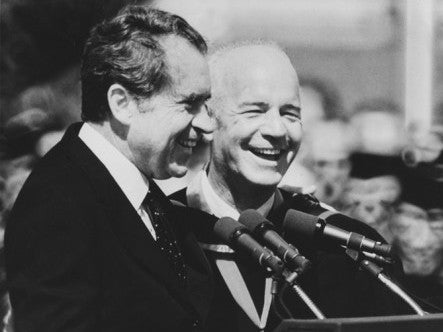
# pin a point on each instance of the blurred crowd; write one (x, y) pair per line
(26, 137)
(368, 165)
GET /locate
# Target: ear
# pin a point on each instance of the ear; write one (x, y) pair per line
(121, 103)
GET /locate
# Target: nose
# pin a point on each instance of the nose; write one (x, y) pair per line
(203, 123)
(369, 208)
(273, 125)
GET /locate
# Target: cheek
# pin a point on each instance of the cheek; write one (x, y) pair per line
(295, 134)
(233, 137)
(177, 122)
(175, 128)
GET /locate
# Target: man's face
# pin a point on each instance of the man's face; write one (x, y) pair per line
(418, 246)
(258, 123)
(372, 200)
(168, 125)
(328, 158)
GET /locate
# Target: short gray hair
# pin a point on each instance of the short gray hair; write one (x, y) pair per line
(219, 59)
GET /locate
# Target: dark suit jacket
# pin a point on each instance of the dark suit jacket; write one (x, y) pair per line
(334, 282)
(79, 258)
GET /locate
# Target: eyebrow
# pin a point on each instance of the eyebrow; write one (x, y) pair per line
(266, 105)
(195, 98)
(257, 104)
(291, 107)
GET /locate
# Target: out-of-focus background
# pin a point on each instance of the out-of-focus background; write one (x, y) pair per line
(371, 74)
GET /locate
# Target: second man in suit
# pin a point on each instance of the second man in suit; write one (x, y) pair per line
(256, 107)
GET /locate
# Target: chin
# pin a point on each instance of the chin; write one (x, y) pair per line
(271, 180)
(177, 171)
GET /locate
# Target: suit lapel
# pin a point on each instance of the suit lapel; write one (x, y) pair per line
(124, 221)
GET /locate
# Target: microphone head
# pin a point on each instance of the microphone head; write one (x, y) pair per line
(226, 228)
(300, 223)
(252, 220)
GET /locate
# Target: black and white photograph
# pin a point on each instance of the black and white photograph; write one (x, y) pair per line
(221, 165)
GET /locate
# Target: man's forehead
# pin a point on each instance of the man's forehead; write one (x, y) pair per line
(187, 67)
(180, 54)
(258, 67)
(264, 85)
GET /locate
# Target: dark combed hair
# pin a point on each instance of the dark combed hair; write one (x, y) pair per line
(126, 50)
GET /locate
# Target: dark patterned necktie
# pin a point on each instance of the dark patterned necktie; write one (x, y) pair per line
(165, 237)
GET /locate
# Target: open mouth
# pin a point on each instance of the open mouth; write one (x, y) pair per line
(268, 154)
(188, 143)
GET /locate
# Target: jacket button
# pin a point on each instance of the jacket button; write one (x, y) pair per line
(196, 323)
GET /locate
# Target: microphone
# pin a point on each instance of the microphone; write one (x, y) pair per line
(265, 231)
(297, 222)
(236, 235)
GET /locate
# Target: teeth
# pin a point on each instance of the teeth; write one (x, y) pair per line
(268, 152)
(188, 143)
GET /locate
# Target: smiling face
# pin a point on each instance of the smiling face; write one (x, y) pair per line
(167, 126)
(258, 128)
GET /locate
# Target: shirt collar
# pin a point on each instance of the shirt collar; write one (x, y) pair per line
(220, 208)
(128, 177)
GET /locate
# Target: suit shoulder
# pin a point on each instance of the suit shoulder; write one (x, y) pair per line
(55, 189)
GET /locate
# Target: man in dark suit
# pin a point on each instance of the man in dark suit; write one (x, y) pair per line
(257, 110)
(92, 244)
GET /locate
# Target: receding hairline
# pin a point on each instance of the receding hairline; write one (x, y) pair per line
(223, 52)
(219, 58)
(221, 63)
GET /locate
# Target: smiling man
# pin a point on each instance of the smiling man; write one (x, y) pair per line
(92, 244)
(256, 107)
(258, 123)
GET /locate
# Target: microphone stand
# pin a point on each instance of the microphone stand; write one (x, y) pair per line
(276, 295)
(290, 279)
(377, 272)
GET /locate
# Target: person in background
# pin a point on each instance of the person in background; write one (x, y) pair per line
(321, 97)
(328, 147)
(375, 189)
(91, 243)
(20, 145)
(417, 237)
(393, 196)
(21, 148)
(256, 107)
(322, 109)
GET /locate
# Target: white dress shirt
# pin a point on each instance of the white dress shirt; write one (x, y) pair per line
(220, 208)
(131, 181)
(201, 195)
